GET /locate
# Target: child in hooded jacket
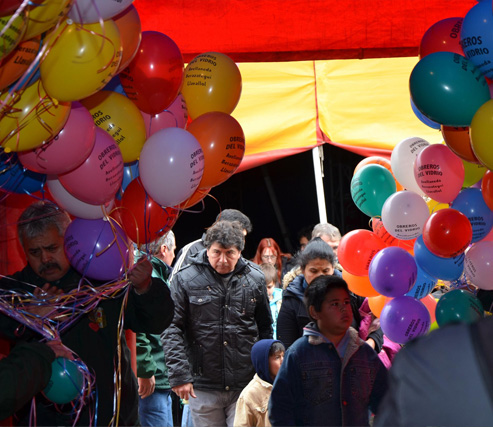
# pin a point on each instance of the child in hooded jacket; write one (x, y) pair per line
(251, 407)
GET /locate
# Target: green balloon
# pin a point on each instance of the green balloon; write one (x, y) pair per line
(65, 383)
(370, 187)
(448, 89)
(458, 306)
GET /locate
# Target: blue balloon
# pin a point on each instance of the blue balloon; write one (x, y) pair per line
(115, 85)
(14, 178)
(435, 266)
(471, 203)
(476, 37)
(423, 118)
(423, 286)
(130, 172)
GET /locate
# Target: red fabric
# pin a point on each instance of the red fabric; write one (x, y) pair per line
(279, 30)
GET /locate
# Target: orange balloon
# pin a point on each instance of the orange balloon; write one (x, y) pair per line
(18, 61)
(378, 160)
(128, 22)
(431, 305)
(223, 143)
(377, 304)
(359, 285)
(458, 140)
(212, 82)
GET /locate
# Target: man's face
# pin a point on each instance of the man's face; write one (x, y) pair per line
(334, 244)
(303, 242)
(270, 289)
(46, 256)
(168, 254)
(223, 260)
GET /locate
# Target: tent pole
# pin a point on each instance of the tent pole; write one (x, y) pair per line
(317, 154)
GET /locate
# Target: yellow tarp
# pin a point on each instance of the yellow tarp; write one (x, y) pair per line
(360, 103)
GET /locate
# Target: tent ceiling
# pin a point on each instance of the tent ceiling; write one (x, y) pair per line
(285, 30)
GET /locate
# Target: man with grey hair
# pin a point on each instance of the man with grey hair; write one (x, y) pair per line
(328, 233)
(155, 404)
(221, 310)
(94, 336)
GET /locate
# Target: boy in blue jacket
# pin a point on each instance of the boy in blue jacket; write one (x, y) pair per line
(330, 376)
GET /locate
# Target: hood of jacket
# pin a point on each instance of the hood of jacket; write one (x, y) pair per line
(260, 358)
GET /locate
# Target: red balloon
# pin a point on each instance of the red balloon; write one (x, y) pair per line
(447, 233)
(153, 79)
(443, 36)
(487, 188)
(8, 7)
(141, 217)
(356, 250)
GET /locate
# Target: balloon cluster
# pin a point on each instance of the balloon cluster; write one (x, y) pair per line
(92, 107)
(432, 204)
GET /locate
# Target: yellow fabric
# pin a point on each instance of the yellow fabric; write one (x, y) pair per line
(361, 103)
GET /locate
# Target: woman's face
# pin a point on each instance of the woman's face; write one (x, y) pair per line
(269, 256)
(317, 267)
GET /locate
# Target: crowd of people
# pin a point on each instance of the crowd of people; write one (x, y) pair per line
(225, 341)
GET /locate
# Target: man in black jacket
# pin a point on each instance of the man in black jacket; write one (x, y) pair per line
(221, 310)
(95, 335)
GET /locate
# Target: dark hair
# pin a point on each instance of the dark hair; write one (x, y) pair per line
(276, 347)
(270, 273)
(316, 249)
(40, 217)
(319, 288)
(305, 232)
(235, 215)
(227, 234)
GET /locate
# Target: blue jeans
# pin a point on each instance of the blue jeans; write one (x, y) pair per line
(155, 410)
(186, 418)
(213, 408)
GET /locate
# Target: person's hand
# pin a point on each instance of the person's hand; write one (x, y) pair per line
(184, 391)
(146, 386)
(139, 276)
(43, 294)
(60, 350)
(371, 343)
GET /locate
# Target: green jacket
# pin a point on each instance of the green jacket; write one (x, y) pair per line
(150, 353)
(94, 338)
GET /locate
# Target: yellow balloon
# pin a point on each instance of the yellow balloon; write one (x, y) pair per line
(472, 173)
(121, 118)
(481, 134)
(30, 118)
(434, 206)
(212, 82)
(45, 15)
(81, 59)
(11, 33)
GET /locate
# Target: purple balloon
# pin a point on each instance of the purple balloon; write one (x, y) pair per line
(393, 271)
(404, 318)
(93, 250)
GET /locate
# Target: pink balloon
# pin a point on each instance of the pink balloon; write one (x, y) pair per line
(171, 166)
(68, 149)
(478, 264)
(175, 116)
(99, 178)
(439, 173)
(75, 206)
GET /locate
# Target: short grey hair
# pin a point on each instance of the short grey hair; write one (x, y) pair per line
(154, 248)
(227, 234)
(40, 217)
(326, 229)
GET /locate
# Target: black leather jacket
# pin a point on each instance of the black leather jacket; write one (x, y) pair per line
(215, 326)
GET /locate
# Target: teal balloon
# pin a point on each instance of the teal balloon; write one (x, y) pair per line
(371, 185)
(65, 383)
(448, 89)
(458, 306)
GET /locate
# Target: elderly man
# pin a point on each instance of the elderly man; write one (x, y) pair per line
(221, 310)
(94, 336)
(328, 233)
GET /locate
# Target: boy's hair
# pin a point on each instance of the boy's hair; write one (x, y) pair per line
(317, 290)
(270, 272)
(276, 347)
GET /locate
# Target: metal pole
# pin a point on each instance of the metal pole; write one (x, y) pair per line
(317, 154)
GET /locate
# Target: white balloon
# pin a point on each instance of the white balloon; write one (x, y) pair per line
(478, 264)
(73, 205)
(91, 11)
(404, 215)
(402, 162)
